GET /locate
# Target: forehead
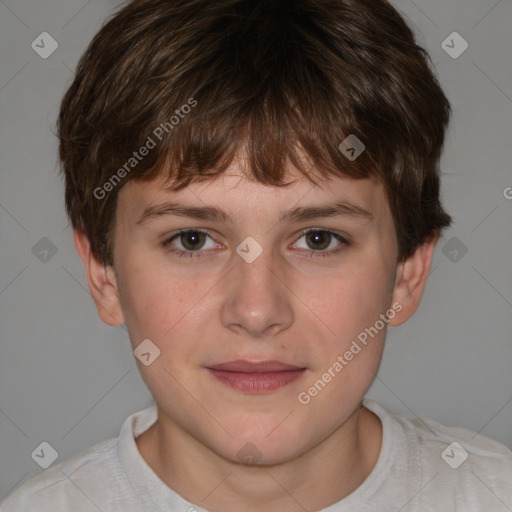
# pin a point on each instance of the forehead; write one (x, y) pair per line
(241, 198)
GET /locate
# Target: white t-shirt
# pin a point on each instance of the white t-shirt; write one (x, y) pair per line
(418, 470)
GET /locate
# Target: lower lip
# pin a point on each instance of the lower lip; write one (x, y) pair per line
(257, 382)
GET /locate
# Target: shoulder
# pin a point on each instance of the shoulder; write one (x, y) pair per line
(466, 464)
(55, 489)
(106, 477)
(458, 447)
(94, 479)
(456, 462)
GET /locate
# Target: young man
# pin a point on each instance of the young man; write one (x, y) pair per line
(254, 190)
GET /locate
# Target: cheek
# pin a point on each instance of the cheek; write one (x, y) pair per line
(348, 360)
(348, 302)
(163, 309)
(167, 309)
(152, 303)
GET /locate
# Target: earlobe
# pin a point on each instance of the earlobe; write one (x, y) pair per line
(102, 282)
(410, 281)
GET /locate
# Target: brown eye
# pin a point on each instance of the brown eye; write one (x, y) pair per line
(321, 242)
(318, 240)
(192, 240)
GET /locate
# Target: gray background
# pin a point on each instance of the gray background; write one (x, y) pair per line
(68, 379)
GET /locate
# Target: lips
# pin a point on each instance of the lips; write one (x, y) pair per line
(242, 366)
(262, 377)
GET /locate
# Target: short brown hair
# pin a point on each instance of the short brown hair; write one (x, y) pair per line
(275, 78)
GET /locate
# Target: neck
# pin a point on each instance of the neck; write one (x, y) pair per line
(323, 475)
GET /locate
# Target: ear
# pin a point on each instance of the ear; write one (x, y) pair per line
(411, 277)
(102, 282)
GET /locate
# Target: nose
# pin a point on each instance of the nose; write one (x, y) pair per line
(257, 300)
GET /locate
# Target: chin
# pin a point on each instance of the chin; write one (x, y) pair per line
(251, 454)
(275, 446)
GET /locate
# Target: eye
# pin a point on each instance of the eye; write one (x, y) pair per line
(319, 240)
(197, 242)
(188, 242)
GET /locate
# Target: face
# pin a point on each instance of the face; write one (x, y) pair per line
(285, 278)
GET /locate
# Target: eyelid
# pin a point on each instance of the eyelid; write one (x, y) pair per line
(170, 237)
(339, 236)
(343, 239)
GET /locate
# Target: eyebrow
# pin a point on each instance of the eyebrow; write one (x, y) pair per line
(212, 213)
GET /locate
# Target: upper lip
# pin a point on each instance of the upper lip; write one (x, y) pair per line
(243, 366)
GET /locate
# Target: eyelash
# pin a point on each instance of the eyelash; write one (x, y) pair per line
(167, 244)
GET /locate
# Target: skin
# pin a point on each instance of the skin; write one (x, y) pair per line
(286, 306)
